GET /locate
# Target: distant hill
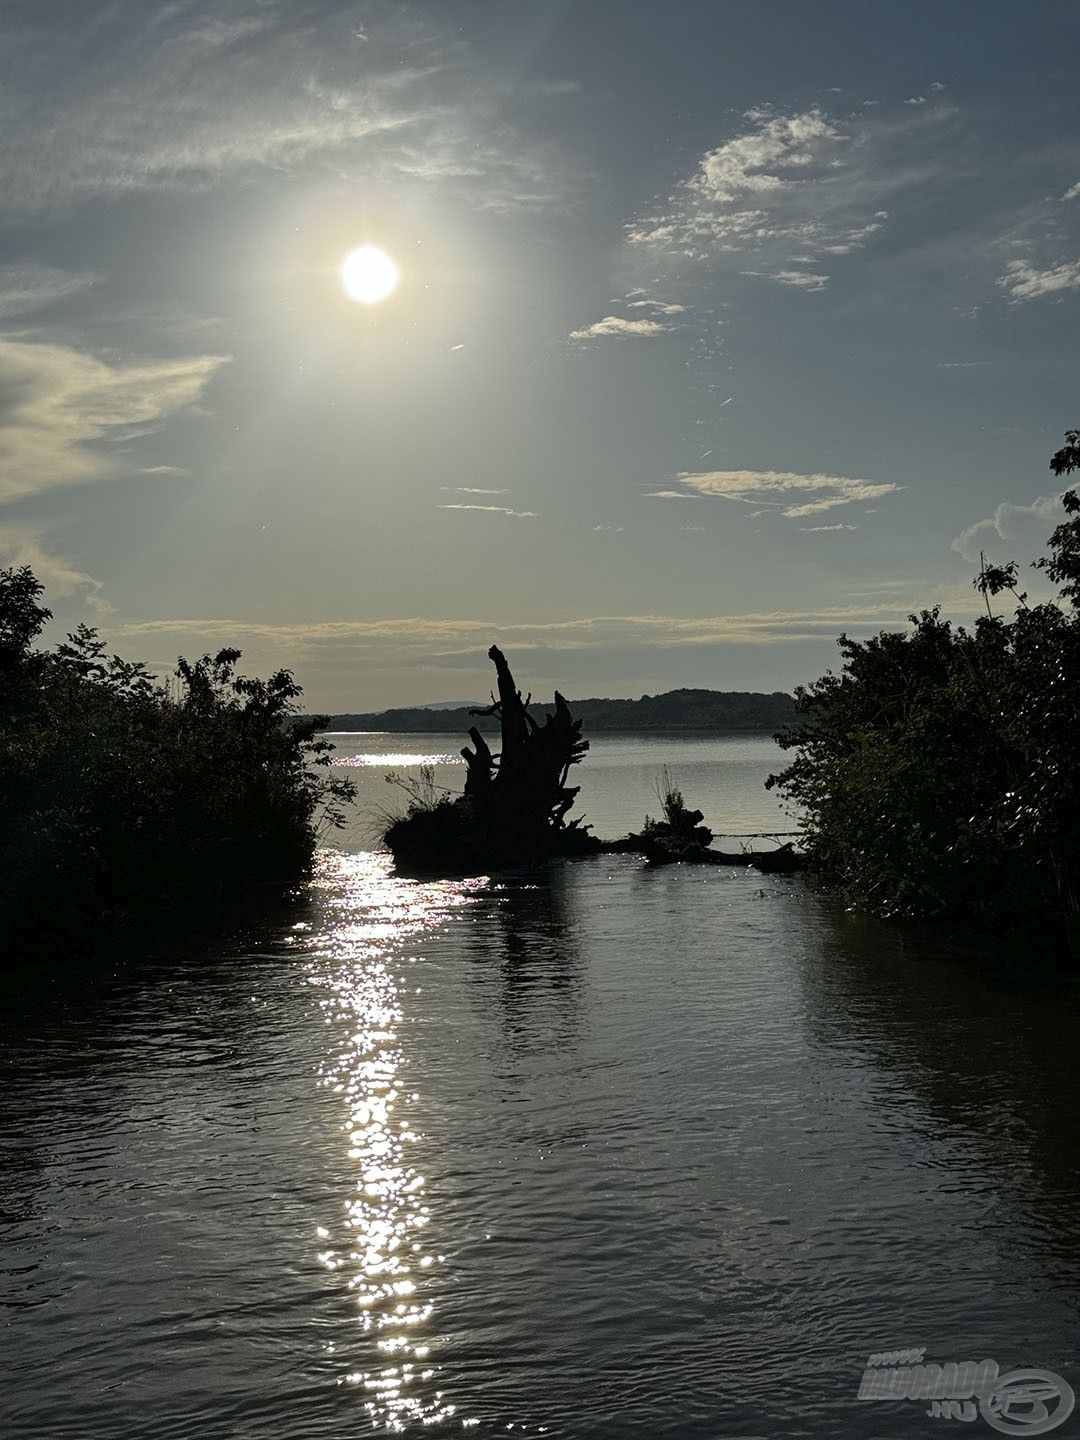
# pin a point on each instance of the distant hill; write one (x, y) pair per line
(450, 705)
(720, 710)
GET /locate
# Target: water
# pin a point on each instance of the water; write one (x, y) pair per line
(593, 1152)
(619, 779)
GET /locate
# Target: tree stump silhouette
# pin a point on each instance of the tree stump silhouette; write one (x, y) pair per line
(516, 802)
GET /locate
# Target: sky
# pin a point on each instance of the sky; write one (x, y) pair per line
(720, 329)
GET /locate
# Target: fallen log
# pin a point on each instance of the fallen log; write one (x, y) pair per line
(785, 860)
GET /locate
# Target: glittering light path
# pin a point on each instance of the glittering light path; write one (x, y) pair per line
(380, 1242)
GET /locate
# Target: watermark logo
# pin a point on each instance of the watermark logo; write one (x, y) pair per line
(1021, 1402)
(1027, 1402)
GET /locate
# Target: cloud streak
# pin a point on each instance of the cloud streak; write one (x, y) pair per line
(471, 490)
(800, 279)
(659, 307)
(495, 510)
(779, 488)
(418, 639)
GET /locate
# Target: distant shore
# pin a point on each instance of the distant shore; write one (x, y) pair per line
(701, 711)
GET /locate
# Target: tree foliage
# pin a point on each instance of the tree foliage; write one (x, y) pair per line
(121, 796)
(938, 773)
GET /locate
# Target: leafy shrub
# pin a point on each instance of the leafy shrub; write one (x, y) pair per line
(681, 827)
(118, 798)
(938, 773)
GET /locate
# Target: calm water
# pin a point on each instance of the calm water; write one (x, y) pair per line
(588, 1152)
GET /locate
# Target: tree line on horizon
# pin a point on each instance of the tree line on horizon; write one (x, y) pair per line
(717, 710)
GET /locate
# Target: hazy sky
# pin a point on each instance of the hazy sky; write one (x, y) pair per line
(722, 327)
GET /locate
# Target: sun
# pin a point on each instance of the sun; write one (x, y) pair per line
(369, 275)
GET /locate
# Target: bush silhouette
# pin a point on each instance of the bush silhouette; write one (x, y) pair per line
(119, 798)
(938, 772)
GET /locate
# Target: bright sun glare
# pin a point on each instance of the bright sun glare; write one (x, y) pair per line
(369, 275)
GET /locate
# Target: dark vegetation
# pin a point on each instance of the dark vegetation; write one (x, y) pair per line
(681, 828)
(720, 710)
(122, 799)
(938, 773)
(680, 838)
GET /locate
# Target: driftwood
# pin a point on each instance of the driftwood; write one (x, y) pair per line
(515, 804)
(784, 860)
(681, 838)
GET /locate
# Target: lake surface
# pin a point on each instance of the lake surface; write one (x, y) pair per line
(725, 778)
(589, 1151)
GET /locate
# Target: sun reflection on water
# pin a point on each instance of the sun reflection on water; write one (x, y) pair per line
(383, 758)
(382, 1247)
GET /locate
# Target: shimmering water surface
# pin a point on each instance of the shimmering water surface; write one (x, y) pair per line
(587, 1151)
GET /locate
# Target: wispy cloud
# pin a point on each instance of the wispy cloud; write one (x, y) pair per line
(1024, 281)
(619, 327)
(25, 288)
(422, 639)
(1073, 192)
(551, 650)
(56, 405)
(755, 487)
(471, 490)
(1023, 526)
(659, 307)
(790, 188)
(22, 545)
(56, 402)
(824, 529)
(177, 96)
(801, 279)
